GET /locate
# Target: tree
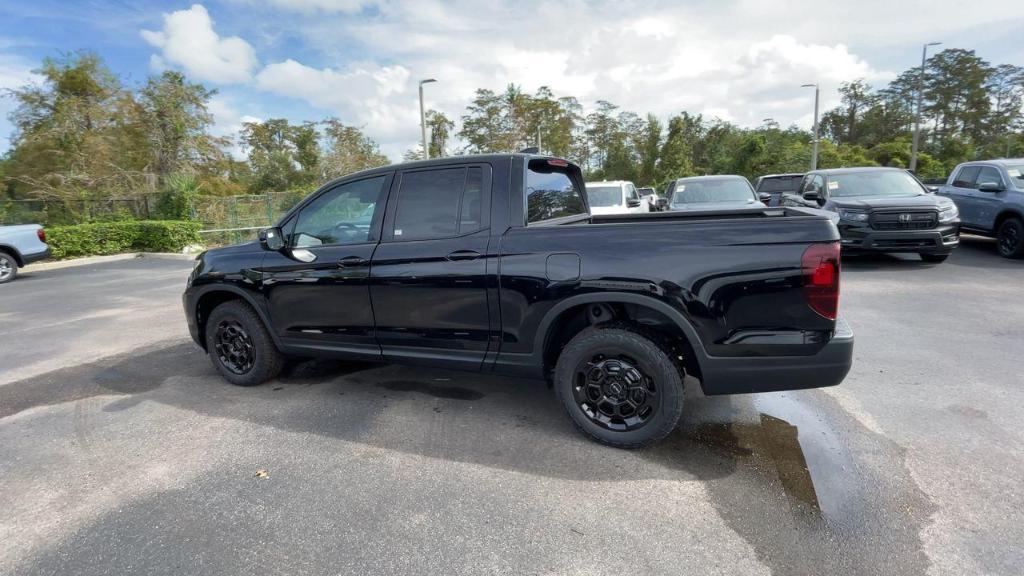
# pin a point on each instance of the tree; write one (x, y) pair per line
(175, 121)
(348, 150)
(76, 134)
(440, 128)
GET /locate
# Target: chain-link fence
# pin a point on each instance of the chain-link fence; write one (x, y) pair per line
(225, 219)
(233, 219)
(64, 212)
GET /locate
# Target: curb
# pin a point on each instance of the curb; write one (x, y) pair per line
(55, 265)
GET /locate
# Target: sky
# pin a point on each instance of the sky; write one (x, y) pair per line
(360, 60)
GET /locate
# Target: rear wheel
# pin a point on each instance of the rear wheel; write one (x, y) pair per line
(8, 267)
(1010, 238)
(934, 257)
(619, 386)
(240, 346)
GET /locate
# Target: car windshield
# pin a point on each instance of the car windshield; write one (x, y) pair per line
(1016, 175)
(726, 190)
(604, 196)
(780, 184)
(873, 183)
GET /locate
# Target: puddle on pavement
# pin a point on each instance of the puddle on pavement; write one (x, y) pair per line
(804, 485)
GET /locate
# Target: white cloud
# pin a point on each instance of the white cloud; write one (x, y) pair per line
(743, 61)
(188, 40)
(366, 94)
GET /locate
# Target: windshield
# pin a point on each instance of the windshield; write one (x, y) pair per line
(874, 183)
(695, 191)
(780, 184)
(604, 196)
(1016, 175)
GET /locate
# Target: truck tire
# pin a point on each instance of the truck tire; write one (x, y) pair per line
(240, 346)
(8, 267)
(1010, 238)
(620, 386)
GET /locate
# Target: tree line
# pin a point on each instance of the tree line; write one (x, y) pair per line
(82, 134)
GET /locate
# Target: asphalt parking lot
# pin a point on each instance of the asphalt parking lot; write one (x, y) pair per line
(121, 450)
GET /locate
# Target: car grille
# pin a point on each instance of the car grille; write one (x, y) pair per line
(907, 220)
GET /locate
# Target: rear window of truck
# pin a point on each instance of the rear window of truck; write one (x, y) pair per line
(550, 193)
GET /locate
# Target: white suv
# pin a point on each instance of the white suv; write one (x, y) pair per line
(615, 197)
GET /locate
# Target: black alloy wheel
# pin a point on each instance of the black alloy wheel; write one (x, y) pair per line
(239, 345)
(234, 347)
(1010, 238)
(614, 392)
(620, 384)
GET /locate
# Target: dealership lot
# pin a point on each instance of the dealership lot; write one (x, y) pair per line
(121, 450)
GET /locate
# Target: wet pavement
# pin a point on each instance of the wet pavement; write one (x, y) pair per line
(144, 461)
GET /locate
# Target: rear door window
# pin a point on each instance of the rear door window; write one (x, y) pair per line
(440, 203)
(550, 194)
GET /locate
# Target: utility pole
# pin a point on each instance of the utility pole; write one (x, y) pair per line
(814, 149)
(539, 149)
(423, 119)
(917, 112)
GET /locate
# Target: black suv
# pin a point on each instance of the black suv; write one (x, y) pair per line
(775, 185)
(883, 210)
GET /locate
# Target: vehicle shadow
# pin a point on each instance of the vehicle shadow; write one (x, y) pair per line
(774, 457)
(499, 422)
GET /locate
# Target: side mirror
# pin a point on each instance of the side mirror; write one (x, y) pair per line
(764, 197)
(812, 196)
(933, 189)
(662, 203)
(632, 203)
(990, 187)
(271, 239)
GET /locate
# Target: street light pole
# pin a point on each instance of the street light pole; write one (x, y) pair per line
(917, 112)
(814, 149)
(423, 118)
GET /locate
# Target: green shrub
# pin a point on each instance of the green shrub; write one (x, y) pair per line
(101, 238)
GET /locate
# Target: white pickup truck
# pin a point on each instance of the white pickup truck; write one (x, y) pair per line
(19, 246)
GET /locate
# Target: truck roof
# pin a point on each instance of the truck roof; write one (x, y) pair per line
(460, 159)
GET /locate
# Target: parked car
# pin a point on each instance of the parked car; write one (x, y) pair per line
(776, 185)
(990, 196)
(883, 210)
(711, 193)
(616, 197)
(494, 264)
(652, 198)
(20, 246)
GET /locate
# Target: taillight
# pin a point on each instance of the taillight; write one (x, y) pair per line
(41, 234)
(820, 264)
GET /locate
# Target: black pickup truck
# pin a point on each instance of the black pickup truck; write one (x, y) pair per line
(493, 263)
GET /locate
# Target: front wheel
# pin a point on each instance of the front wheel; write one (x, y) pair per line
(240, 346)
(934, 257)
(1010, 238)
(619, 386)
(8, 267)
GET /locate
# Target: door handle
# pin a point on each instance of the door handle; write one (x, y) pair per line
(463, 255)
(353, 261)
